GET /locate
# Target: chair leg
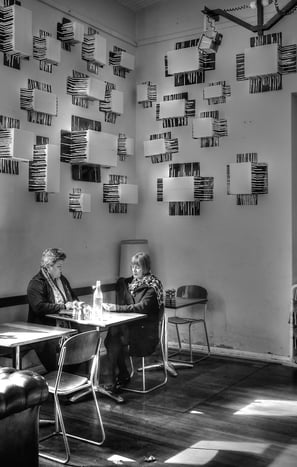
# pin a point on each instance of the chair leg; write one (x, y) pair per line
(206, 336)
(59, 420)
(66, 435)
(144, 389)
(177, 352)
(190, 342)
(87, 440)
(132, 368)
(208, 346)
(190, 359)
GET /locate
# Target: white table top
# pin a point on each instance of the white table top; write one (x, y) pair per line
(20, 333)
(109, 318)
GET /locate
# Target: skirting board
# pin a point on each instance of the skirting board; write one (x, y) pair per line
(233, 353)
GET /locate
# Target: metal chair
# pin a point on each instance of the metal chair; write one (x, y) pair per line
(144, 389)
(191, 291)
(83, 347)
(293, 322)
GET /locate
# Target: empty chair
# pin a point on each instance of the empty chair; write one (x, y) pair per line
(83, 347)
(145, 386)
(191, 291)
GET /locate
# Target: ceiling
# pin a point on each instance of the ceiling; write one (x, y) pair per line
(137, 5)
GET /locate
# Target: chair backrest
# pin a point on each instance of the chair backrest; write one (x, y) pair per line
(192, 291)
(80, 348)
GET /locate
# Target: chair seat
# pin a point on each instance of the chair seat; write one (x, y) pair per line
(69, 382)
(185, 320)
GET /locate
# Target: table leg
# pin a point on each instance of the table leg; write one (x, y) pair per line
(16, 358)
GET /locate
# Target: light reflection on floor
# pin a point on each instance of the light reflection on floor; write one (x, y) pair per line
(235, 446)
(286, 458)
(192, 457)
(203, 452)
(268, 407)
(119, 460)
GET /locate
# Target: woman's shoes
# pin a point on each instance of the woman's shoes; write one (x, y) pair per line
(122, 381)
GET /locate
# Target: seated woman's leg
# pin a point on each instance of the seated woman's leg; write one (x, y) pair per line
(47, 353)
(123, 376)
(115, 353)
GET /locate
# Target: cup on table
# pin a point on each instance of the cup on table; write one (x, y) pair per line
(86, 312)
(78, 310)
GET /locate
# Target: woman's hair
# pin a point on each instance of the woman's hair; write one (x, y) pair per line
(50, 256)
(143, 260)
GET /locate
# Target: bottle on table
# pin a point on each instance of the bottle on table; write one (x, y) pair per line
(97, 301)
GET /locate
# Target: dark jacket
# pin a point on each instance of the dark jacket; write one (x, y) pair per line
(143, 334)
(41, 299)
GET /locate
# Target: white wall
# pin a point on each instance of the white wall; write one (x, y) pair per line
(107, 15)
(27, 227)
(242, 255)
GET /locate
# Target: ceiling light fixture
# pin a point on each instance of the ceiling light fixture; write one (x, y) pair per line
(211, 39)
(259, 5)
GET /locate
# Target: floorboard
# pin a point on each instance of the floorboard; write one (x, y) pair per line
(221, 413)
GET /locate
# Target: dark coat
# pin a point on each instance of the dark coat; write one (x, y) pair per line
(42, 301)
(143, 334)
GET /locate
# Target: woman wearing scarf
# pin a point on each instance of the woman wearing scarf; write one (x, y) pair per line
(49, 292)
(141, 293)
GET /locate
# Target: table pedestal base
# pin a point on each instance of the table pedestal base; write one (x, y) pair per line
(101, 390)
(170, 367)
(105, 392)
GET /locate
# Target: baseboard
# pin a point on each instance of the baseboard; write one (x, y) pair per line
(233, 353)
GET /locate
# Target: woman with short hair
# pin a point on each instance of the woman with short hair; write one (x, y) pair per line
(49, 292)
(140, 293)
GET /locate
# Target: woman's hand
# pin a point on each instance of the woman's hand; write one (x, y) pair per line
(109, 306)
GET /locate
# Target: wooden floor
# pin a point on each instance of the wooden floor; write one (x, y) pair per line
(223, 412)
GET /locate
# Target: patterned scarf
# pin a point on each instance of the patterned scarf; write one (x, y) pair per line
(58, 294)
(149, 280)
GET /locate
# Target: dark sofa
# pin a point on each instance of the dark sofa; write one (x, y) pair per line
(21, 394)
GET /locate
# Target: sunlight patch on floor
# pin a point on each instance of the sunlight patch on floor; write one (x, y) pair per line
(235, 446)
(203, 452)
(119, 460)
(192, 457)
(287, 458)
(275, 408)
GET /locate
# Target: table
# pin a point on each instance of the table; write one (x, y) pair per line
(18, 333)
(108, 320)
(178, 302)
